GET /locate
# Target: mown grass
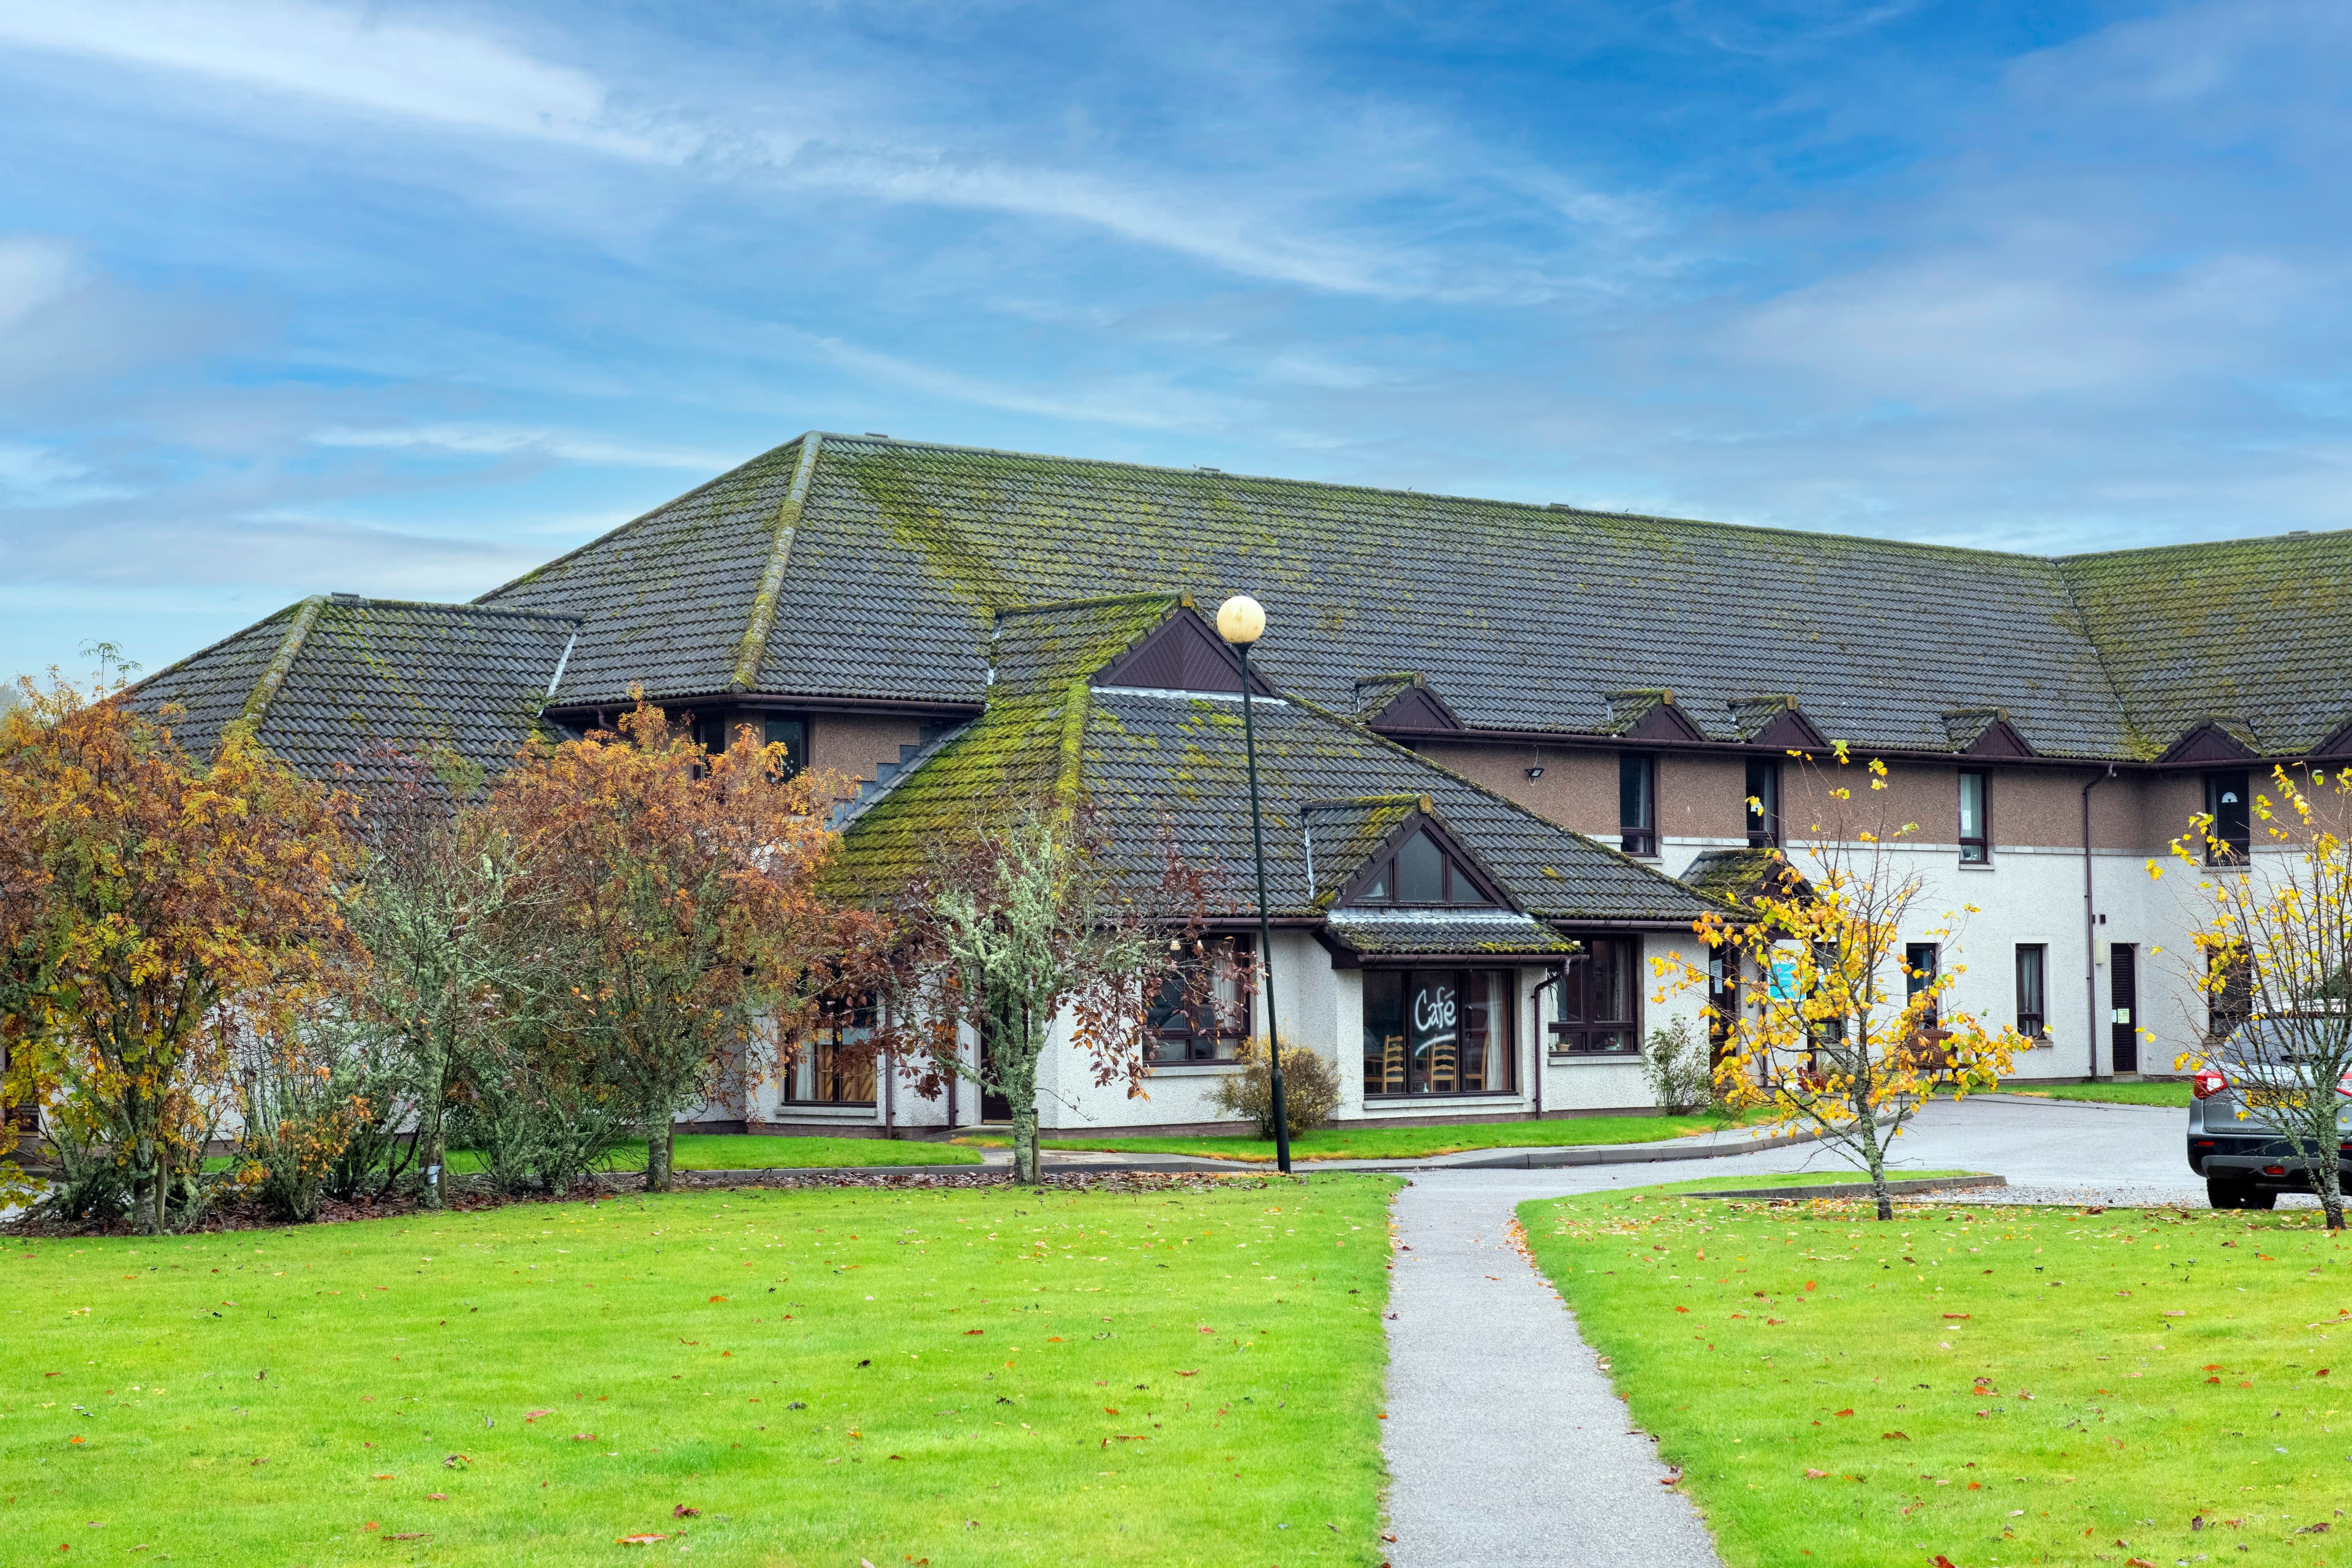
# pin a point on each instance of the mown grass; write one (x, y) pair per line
(758, 1152)
(1795, 1179)
(1360, 1140)
(974, 1377)
(2172, 1094)
(1999, 1385)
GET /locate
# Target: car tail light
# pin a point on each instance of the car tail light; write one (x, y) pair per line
(2210, 1082)
(2273, 1170)
(2344, 1084)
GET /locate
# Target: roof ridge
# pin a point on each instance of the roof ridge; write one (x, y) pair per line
(754, 649)
(643, 517)
(1566, 508)
(281, 663)
(2086, 556)
(214, 646)
(2131, 727)
(460, 607)
(1049, 607)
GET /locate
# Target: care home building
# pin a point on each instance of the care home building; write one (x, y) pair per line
(1510, 752)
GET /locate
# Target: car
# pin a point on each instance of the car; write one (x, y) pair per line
(2245, 1161)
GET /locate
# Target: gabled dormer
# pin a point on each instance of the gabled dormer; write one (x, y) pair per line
(1403, 704)
(1773, 720)
(1984, 733)
(1180, 654)
(1418, 865)
(2212, 739)
(1650, 715)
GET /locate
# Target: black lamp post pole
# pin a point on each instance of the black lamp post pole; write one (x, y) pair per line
(1265, 933)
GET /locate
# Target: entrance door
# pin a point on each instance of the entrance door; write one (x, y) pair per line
(994, 1105)
(2123, 997)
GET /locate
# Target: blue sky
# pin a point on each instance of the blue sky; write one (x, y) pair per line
(402, 298)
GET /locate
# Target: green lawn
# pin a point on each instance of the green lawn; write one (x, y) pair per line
(825, 1376)
(1357, 1141)
(753, 1152)
(1796, 1179)
(1998, 1386)
(2175, 1094)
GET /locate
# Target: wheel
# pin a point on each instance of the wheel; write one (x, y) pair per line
(2224, 1195)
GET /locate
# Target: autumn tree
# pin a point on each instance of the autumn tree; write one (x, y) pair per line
(687, 919)
(2272, 950)
(166, 911)
(1827, 1027)
(1033, 921)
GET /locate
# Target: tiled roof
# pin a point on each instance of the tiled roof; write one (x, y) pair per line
(1416, 932)
(1738, 875)
(2253, 633)
(1522, 616)
(1152, 763)
(460, 677)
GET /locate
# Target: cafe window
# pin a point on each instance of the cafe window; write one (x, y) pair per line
(1637, 803)
(1975, 830)
(1763, 803)
(1202, 1011)
(2032, 973)
(1438, 1031)
(2232, 835)
(836, 1065)
(1600, 999)
(1421, 873)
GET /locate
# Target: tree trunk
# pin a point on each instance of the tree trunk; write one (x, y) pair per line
(660, 1151)
(2328, 1176)
(434, 1156)
(1878, 1176)
(1018, 1073)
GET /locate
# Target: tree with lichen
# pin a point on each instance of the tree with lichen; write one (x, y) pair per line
(165, 914)
(1025, 921)
(2270, 959)
(685, 914)
(1828, 1029)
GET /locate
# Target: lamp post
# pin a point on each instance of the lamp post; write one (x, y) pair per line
(1241, 621)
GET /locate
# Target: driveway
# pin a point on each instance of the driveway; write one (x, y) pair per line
(1504, 1442)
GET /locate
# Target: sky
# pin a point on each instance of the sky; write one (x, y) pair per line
(403, 298)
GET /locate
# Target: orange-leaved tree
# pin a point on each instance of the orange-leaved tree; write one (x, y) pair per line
(175, 912)
(1823, 1022)
(683, 890)
(2270, 963)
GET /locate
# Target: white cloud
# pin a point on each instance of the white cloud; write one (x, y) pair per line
(33, 273)
(500, 441)
(351, 58)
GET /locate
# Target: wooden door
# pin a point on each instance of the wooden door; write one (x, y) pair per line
(2123, 1003)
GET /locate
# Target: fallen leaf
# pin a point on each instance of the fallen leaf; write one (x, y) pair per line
(1897, 1437)
(1845, 1412)
(1816, 1475)
(682, 1511)
(639, 1539)
(437, 1497)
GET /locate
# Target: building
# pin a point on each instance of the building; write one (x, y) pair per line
(1586, 719)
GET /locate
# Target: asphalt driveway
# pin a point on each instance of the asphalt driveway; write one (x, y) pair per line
(1504, 1442)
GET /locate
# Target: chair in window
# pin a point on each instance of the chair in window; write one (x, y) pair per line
(1393, 1080)
(1445, 1069)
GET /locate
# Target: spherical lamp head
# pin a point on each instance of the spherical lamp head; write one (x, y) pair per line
(1241, 620)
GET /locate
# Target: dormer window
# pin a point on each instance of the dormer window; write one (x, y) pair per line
(1421, 873)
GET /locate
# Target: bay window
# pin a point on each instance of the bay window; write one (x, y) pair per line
(1438, 1031)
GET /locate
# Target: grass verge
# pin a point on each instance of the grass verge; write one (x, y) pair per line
(977, 1377)
(1359, 1141)
(1998, 1386)
(2173, 1094)
(758, 1151)
(1797, 1179)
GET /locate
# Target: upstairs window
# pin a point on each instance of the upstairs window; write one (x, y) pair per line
(792, 734)
(1763, 803)
(1421, 873)
(1922, 962)
(2231, 836)
(1976, 821)
(1637, 803)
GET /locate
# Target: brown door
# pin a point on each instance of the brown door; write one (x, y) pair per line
(2123, 999)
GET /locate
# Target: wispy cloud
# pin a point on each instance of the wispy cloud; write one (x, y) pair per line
(501, 441)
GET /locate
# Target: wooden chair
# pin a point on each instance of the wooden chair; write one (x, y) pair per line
(1393, 1079)
(1445, 1069)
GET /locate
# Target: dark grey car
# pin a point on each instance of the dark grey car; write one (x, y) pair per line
(2245, 1163)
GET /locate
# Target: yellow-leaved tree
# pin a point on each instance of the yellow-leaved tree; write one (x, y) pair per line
(1828, 1014)
(2271, 959)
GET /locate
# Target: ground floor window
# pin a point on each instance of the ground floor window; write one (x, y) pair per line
(836, 1063)
(1202, 1011)
(1438, 1031)
(1600, 998)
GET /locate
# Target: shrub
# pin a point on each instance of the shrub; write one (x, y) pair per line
(1675, 1061)
(1310, 1088)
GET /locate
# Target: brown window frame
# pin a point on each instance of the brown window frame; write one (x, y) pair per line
(1918, 977)
(1981, 841)
(1580, 1031)
(820, 1059)
(1764, 826)
(2240, 843)
(1637, 803)
(2034, 1002)
(1397, 1059)
(1175, 1020)
(1452, 875)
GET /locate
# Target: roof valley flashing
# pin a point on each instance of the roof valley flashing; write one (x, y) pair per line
(855, 572)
